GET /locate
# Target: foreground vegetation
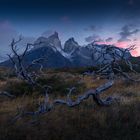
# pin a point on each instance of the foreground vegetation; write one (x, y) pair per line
(88, 121)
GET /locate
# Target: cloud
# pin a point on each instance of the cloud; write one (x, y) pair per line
(130, 2)
(126, 32)
(122, 44)
(25, 40)
(91, 28)
(126, 44)
(92, 38)
(135, 39)
(109, 39)
(7, 33)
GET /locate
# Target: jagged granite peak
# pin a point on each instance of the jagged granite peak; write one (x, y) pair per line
(40, 40)
(72, 55)
(70, 45)
(52, 41)
(54, 36)
(55, 41)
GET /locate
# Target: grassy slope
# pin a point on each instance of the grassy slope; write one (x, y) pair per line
(85, 122)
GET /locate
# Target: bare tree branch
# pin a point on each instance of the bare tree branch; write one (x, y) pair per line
(107, 68)
(6, 94)
(112, 63)
(95, 93)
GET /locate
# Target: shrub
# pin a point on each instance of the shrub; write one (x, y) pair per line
(17, 87)
(60, 85)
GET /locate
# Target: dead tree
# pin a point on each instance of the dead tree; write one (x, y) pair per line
(17, 60)
(110, 66)
(31, 78)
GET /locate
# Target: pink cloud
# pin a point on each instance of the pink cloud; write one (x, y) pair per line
(135, 53)
(65, 19)
(123, 44)
(126, 44)
(5, 24)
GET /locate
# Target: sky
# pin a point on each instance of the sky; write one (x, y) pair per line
(105, 21)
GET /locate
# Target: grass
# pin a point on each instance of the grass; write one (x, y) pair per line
(120, 121)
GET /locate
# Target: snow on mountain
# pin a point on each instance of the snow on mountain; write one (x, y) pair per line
(70, 46)
(72, 54)
(52, 41)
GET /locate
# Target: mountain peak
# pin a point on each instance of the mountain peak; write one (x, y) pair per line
(72, 55)
(72, 40)
(54, 36)
(70, 45)
(52, 41)
(55, 41)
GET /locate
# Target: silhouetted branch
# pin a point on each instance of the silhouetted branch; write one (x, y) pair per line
(6, 94)
(113, 62)
(21, 70)
(46, 106)
(108, 68)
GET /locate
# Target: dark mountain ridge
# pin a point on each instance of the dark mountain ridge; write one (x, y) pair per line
(70, 55)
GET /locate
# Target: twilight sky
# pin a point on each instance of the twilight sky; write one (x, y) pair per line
(106, 21)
